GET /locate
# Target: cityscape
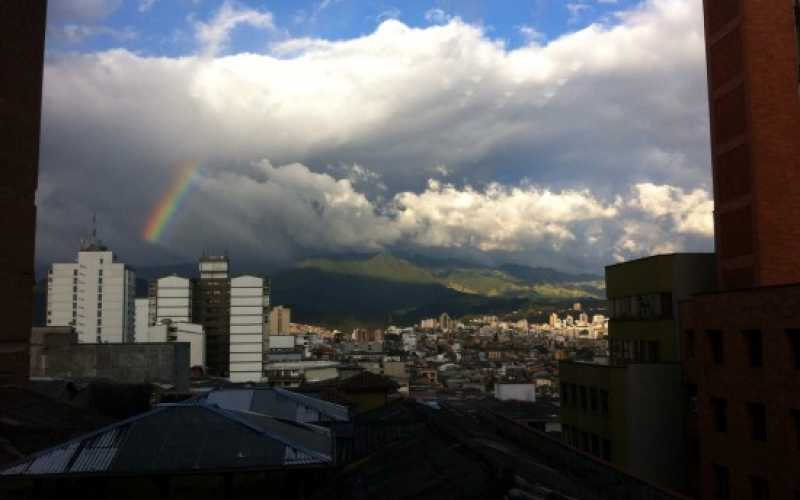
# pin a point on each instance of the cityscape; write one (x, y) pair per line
(261, 322)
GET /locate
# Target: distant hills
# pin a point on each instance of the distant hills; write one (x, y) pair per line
(381, 287)
(376, 289)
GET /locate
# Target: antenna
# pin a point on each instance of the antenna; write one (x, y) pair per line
(94, 226)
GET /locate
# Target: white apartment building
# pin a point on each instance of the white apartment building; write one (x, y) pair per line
(170, 299)
(248, 308)
(190, 333)
(95, 295)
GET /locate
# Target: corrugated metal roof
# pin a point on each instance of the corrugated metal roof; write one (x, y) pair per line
(184, 438)
(279, 403)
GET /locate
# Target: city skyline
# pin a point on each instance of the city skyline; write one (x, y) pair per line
(552, 137)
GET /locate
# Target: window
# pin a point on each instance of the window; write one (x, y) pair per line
(99, 330)
(797, 33)
(721, 479)
(584, 403)
(593, 398)
(720, 409)
(100, 272)
(652, 355)
(607, 450)
(758, 420)
(99, 322)
(604, 402)
(717, 350)
(760, 488)
(754, 348)
(692, 393)
(100, 281)
(74, 272)
(690, 349)
(74, 289)
(794, 346)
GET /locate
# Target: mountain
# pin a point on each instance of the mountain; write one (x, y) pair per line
(371, 289)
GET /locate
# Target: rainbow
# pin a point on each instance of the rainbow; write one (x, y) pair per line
(164, 211)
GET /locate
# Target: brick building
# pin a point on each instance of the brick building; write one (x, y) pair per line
(22, 23)
(741, 344)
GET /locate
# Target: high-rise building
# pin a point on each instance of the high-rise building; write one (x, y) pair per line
(22, 23)
(279, 319)
(95, 295)
(741, 344)
(211, 308)
(249, 304)
(629, 410)
(751, 49)
(170, 298)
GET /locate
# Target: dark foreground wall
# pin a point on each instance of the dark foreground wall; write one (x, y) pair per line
(163, 363)
(22, 24)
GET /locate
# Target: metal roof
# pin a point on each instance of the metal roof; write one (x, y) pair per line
(279, 403)
(184, 438)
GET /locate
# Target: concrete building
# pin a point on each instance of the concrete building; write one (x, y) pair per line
(21, 62)
(446, 323)
(95, 295)
(58, 356)
(515, 392)
(211, 308)
(170, 299)
(190, 333)
(249, 301)
(295, 373)
(623, 409)
(742, 343)
(279, 319)
(141, 320)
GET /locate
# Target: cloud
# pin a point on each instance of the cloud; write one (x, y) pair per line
(691, 212)
(215, 34)
(580, 121)
(146, 5)
(437, 16)
(531, 34)
(389, 13)
(575, 11)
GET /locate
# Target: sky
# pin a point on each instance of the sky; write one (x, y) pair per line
(568, 134)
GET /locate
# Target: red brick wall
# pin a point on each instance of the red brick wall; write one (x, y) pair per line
(771, 310)
(755, 130)
(22, 23)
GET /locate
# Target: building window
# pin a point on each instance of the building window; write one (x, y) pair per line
(607, 450)
(760, 488)
(74, 272)
(593, 398)
(584, 402)
(604, 402)
(754, 348)
(653, 356)
(74, 289)
(717, 349)
(758, 420)
(720, 409)
(690, 349)
(721, 480)
(99, 330)
(100, 272)
(797, 33)
(691, 390)
(794, 346)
